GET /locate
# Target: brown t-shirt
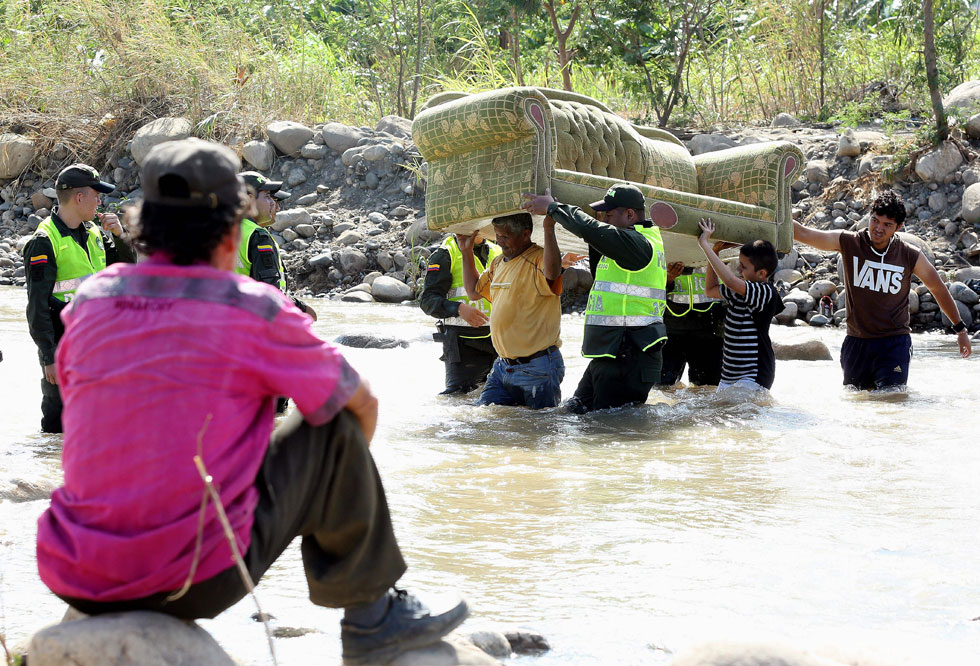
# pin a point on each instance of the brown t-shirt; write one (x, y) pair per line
(526, 315)
(877, 286)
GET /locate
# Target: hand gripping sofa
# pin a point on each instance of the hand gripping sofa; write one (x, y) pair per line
(483, 150)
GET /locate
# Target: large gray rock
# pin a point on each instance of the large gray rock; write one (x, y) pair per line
(788, 315)
(340, 137)
(352, 261)
(913, 302)
(963, 293)
(811, 350)
(822, 288)
(259, 154)
(16, 152)
(126, 639)
(965, 96)
(934, 166)
(973, 126)
(288, 137)
(292, 217)
(370, 342)
(922, 244)
(804, 301)
(970, 206)
(872, 163)
(396, 126)
(156, 132)
(785, 120)
(966, 314)
(493, 643)
(350, 238)
(737, 654)
(389, 290)
(452, 651)
(708, 143)
(305, 230)
(420, 234)
(848, 146)
(817, 171)
(968, 273)
(357, 296)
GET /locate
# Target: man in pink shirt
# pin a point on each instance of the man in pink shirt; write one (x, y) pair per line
(178, 356)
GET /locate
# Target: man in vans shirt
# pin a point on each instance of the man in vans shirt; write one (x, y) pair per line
(878, 270)
(747, 357)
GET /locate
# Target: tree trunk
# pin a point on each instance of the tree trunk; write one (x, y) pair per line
(564, 55)
(932, 71)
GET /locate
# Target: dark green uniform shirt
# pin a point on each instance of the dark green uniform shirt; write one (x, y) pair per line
(43, 309)
(629, 249)
(265, 265)
(439, 280)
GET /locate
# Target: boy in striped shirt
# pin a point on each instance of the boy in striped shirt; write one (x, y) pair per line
(748, 360)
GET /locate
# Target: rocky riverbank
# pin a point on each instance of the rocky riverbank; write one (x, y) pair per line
(354, 226)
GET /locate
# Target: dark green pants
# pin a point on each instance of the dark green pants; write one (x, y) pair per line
(318, 483)
(51, 407)
(614, 382)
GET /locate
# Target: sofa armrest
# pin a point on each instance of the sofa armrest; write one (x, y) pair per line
(759, 174)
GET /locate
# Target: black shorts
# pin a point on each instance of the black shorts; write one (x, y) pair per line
(876, 363)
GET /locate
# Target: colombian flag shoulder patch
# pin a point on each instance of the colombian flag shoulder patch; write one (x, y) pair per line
(39, 259)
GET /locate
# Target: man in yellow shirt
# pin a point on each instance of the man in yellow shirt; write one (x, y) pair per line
(524, 285)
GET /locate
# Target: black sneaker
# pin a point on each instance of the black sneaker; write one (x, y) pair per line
(408, 624)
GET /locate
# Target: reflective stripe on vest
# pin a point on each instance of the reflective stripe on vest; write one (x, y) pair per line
(630, 298)
(73, 262)
(244, 266)
(689, 291)
(457, 291)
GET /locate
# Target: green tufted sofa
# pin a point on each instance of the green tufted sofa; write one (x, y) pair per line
(484, 150)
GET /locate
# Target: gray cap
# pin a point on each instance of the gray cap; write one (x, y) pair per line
(192, 173)
(81, 175)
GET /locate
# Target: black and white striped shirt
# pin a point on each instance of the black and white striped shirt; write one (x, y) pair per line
(748, 350)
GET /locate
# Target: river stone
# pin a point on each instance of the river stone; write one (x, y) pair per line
(493, 643)
(817, 171)
(919, 243)
(848, 146)
(353, 261)
(340, 137)
(321, 260)
(527, 643)
(389, 290)
(377, 218)
(811, 350)
(709, 143)
(374, 153)
(965, 96)
(288, 136)
(289, 235)
(937, 202)
(357, 296)
(970, 206)
(156, 132)
(822, 288)
(291, 218)
(350, 238)
(819, 320)
(352, 156)
(312, 151)
(739, 654)
(963, 293)
(934, 166)
(138, 638)
(966, 314)
(307, 199)
(913, 302)
(371, 180)
(305, 230)
(371, 277)
(420, 234)
(296, 176)
(840, 316)
(370, 342)
(804, 301)
(38, 200)
(19, 490)
(385, 261)
(396, 126)
(259, 154)
(16, 152)
(788, 315)
(785, 120)
(972, 126)
(967, 274)
(448, 652)
(581, 277)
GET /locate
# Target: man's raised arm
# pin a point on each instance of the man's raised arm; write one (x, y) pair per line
(822, 240)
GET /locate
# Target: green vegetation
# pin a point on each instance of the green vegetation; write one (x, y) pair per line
(93, 70)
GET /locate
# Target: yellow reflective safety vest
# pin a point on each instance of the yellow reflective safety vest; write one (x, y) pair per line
(457, 292)
(688, 295)
(630, 298)
(73, 262)
(244, 265)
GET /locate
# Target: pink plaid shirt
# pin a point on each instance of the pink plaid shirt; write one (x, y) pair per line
(150, 352)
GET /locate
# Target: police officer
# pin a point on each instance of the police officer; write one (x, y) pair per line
(695, 329)
(464, 325)
(65, 250)
(259, 256)
(624, 327)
